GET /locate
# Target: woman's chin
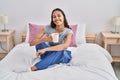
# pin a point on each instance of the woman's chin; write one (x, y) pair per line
(59, 24)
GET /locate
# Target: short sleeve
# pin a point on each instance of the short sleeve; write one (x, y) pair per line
(48, 29)
(71, 31)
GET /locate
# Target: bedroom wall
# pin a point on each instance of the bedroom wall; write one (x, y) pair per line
(96, 14)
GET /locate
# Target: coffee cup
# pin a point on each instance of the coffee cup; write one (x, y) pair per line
(55, 37)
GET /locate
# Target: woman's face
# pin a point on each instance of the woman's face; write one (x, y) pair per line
(58, 18)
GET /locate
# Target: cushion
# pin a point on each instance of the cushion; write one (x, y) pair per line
(73, 41)
(34, 29)
(27, 35)
(80, 34)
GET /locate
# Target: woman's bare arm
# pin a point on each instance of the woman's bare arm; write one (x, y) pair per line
(38, 39)
(63, 46)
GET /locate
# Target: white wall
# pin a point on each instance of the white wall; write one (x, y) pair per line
(96, 14)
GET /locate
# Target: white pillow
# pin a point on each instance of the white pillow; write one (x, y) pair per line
(27, 34)
(80, 34)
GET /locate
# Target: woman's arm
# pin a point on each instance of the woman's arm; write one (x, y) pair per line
(63, 46)
(38, 39)
(59, 47)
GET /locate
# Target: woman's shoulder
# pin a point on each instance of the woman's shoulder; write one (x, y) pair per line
(48, 26)
(48, 29)
(68, 30)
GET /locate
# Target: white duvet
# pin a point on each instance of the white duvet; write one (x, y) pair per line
(89, 62)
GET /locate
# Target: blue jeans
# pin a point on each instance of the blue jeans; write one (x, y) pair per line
(52, 57)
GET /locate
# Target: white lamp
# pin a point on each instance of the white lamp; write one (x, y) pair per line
(4, 21)
(116, 23)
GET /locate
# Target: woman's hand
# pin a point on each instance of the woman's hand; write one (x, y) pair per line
(47, 38)
(39, 52)
(36, 41)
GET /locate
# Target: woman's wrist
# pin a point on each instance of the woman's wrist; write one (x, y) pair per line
(45, 49)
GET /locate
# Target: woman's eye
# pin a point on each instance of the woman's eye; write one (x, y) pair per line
(59, 15)
(54, 16)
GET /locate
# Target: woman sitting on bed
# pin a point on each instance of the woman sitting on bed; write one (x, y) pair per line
(49, 51)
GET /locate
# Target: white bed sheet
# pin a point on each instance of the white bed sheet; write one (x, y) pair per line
(89, 62)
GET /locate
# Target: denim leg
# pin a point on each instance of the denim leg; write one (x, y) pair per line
(51, 59)
(66, 57)
(42, 46)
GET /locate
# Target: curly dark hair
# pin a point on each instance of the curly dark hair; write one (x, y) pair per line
(65, 20)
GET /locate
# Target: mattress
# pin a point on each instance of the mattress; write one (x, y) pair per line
(89, 62)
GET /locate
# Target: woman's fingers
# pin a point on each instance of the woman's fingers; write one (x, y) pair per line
(38, 55)
(39, 52)
(48, 38)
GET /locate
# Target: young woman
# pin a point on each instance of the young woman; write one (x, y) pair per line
(53, 52)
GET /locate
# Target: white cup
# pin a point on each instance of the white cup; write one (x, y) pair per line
(55, 37)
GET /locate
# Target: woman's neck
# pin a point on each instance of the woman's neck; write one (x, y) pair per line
(59, 28)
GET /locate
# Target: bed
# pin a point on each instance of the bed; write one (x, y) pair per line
(89, 62)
